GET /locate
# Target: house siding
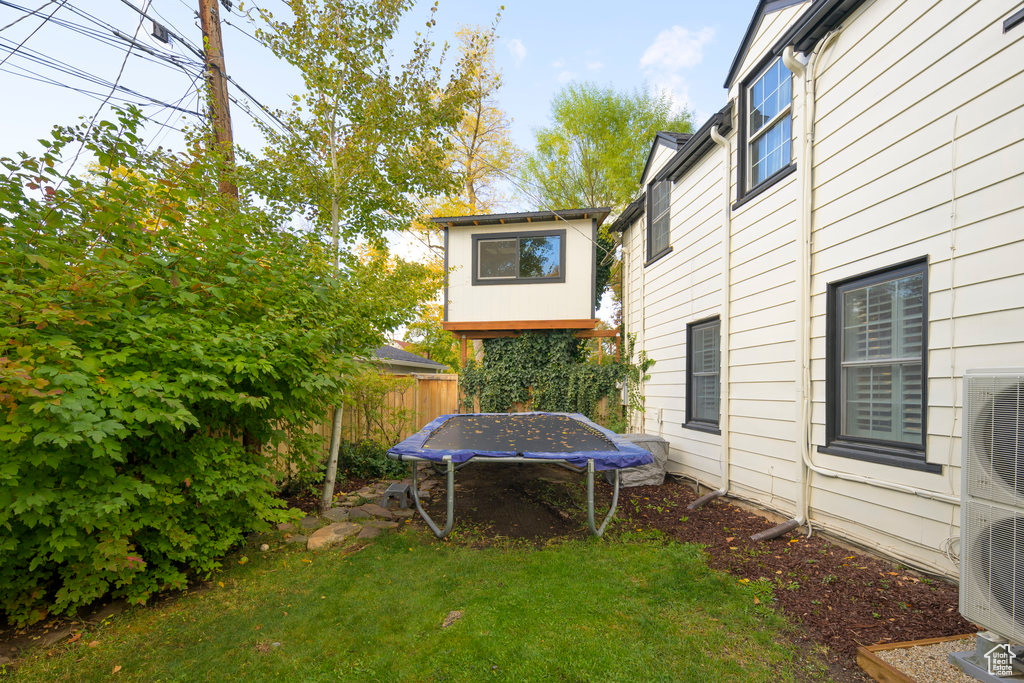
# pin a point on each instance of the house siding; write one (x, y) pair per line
(569, 300)
(935, 169)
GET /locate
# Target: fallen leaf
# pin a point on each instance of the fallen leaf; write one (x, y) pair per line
(94, 643)
(744, 580)
(730, 539)
(220, 583)
(756, 601)
(75, 637)
(116, 669)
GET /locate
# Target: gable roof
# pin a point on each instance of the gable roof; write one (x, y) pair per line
(810, 27)
(390, 353)
(763, 7)
(695, 147)
(599, 214)
(670, 139)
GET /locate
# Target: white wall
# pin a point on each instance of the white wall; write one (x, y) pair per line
(571, 299)
(919, 151)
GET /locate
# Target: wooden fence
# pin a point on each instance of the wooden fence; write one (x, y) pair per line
(405, 411)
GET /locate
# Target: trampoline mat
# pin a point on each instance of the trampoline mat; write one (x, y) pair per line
(518, 433)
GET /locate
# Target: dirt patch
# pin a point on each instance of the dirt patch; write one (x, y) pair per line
(533, 503)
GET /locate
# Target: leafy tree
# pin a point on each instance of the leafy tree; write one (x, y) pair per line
(146, 324)
(481, 154)
(365, 135)
(594, 151)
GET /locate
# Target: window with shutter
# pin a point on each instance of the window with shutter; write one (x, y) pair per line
(703, 361)
(659, 195)
(877, 355)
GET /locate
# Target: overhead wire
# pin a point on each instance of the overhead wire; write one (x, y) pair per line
(28, 14)
(29, 36)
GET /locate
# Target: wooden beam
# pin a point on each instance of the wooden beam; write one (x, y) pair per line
(494, 325)
(588, 334)
(490, 334)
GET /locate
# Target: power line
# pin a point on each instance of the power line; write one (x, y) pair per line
(27, 15)
(33, 32)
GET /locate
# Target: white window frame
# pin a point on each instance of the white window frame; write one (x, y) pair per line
(754, 137)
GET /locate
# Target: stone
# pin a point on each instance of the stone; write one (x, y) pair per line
(296, 538)
(358, 513)
(286, 526)
(369, 532)
(427, 485)
(332, 534)
(376, 511)
(365, 492)
(403, 513)
(337, 514)
(380, 524)
(264, 547)
(310, 522)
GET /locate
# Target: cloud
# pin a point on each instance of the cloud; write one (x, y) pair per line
(517, 50)
(565, 76)
(677, 48)
(595, 66)
(558, 63)
(672, 52)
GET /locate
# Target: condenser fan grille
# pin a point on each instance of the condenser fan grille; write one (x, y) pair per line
(997, 549)
(996, 441)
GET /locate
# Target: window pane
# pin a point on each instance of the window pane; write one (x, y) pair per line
(497, 258)
(703, 377)
(769, 95)
(881, 350)
(539, 256)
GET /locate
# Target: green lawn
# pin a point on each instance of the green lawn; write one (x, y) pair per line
(615, 610)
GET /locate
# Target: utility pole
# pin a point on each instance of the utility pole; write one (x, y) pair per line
(216, 80)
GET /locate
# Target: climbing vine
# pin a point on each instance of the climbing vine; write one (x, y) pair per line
(551, 371)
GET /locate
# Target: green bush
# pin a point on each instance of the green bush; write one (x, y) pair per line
(368, 460)
(152, 336)
(551, 371)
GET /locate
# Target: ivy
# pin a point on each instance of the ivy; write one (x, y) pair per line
(551, 371)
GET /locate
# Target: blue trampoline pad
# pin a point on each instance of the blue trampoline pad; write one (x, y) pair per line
(566, 437)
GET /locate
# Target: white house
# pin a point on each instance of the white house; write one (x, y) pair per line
(814, 270)
(520, 271)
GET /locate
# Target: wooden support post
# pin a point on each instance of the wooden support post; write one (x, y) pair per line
(462, 339)
(600, 350)
(216, 79)
(618, 347)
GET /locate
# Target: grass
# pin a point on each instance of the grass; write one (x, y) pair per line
(630, 609)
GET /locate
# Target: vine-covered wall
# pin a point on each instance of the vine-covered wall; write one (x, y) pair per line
(551, 371)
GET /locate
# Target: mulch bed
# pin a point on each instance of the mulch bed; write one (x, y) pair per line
(840, 597)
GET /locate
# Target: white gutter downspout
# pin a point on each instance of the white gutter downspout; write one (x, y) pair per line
(806, 168)
(803, 277)
(724, 321)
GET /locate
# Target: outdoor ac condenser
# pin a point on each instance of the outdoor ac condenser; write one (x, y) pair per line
(992, 502)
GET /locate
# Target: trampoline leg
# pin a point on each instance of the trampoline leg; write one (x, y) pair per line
(450, 466)
(599, 531)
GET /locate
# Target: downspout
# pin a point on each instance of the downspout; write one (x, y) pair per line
(806, 164)
(725, 320)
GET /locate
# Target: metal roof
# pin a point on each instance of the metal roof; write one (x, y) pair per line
(599, 214)
(390, 353)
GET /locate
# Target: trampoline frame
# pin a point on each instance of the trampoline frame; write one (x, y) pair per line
(451, 467)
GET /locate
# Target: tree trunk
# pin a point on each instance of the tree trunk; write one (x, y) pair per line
(332, 460)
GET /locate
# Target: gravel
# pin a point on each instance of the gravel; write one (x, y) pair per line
(929, 662)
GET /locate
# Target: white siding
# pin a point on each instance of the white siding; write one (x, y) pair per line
(943, 87)
(919, 152)
(572, 299)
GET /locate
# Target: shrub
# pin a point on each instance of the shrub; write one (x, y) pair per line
(152, 337)
(368, 460)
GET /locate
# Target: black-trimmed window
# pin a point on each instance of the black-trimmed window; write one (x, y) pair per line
(659, 202)
(703, 379)
(518, 258)
(877, 370)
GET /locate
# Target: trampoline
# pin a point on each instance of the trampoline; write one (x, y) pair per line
(566, 439)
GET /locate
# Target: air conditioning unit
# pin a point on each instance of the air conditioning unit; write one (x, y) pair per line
(992, 502)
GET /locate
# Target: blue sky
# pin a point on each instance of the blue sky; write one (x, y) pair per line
(682, 47)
